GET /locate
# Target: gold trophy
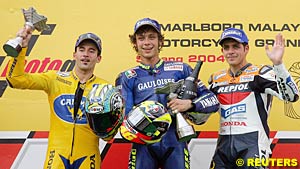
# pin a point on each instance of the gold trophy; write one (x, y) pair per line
(32, 21)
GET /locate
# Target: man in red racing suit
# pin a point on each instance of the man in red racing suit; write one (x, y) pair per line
(245, 94)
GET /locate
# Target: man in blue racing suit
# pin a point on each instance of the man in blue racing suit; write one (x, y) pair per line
(138, 84)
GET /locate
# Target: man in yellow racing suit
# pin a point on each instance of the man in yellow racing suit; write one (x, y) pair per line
(72, 144)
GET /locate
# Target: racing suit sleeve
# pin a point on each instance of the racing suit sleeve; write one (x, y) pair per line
(276, 81)
(122, 83)
(206, 101)
(18, 78)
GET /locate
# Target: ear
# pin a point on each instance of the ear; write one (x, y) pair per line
(135, 47)
(247, 48)
(161, 42)
(74, 53)
(99, 58)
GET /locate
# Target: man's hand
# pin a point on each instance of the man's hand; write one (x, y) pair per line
(25, 33)
(179, 105)
(278, 49)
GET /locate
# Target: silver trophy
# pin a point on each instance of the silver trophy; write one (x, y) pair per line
(185, 131)
(32, 21)
(183, 89)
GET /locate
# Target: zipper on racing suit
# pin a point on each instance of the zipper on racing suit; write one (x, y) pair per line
(77, 101)
(234, 79)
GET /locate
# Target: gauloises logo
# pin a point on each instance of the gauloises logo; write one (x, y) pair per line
(36, 65)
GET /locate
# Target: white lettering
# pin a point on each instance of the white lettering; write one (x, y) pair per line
(154, 83)
(233, 88)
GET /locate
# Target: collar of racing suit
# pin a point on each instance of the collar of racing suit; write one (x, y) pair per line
(239, 72)
(155, 69)
(91, 79)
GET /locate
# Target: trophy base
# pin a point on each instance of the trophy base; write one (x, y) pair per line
(186, 133)
(12, 48)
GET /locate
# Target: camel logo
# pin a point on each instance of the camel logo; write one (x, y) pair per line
(64, 109)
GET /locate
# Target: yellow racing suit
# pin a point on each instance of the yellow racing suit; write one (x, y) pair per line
(72, 144)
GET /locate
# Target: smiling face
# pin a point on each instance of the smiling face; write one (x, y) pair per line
(235, 53)
(86, 57)
(147, 42)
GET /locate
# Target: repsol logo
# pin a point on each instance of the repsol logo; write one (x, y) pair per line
(233, 110)
(233, 88)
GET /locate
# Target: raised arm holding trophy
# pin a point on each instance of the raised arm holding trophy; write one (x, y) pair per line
(33, 21)
(71, 142)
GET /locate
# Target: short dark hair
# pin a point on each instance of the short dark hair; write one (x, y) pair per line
(142, 30)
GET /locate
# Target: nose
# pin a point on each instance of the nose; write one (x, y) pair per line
(85, 53)
(230, 49)
(147, 40)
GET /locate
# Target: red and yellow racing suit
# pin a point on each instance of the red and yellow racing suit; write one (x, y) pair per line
(72, 144)
(245, 101)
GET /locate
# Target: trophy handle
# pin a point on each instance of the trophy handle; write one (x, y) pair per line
(29, 25)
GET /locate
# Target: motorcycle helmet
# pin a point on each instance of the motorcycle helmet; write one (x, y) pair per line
(104, 110)
(146, 123)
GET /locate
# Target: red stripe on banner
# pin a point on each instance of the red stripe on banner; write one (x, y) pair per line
(274, 141)
(117, 156)
(8, 154)
(41, 134)
(272, 134)
(208, 134)
(286, 151)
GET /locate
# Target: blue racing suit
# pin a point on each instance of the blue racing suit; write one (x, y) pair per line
(137, 85)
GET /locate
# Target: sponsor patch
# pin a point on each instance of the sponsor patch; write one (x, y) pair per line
(241, 108)
(130, 73)
(246, 78)
(292, 85)
(222, 83)
(173, 66)
(219, 76)
(252, 69)
(63, 107)
(63, 74)
(234, 88)
(233, 123)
